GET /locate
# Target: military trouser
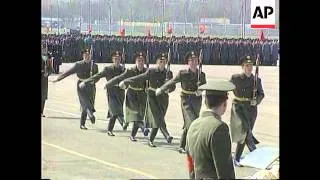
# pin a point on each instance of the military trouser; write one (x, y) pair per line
(154, 132)
(42, 105)
(83, 117)
(109, 114)
(136, 126)
(56, 66)
(249, 141)
(183, 138)
(112, 122)
(84, 114)
(86, 97)
(190, 106)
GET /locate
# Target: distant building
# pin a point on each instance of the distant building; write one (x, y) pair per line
(215, 20)
(46, 22)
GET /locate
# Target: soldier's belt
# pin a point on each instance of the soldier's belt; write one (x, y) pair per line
(136, 89)
(82, 79)
(242, 98)
(152, 89)
(188, 92)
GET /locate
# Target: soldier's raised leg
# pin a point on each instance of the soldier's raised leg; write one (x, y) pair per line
(250, 141)
(143, 128)
(240, 147)
(125, 126)
(122, 123)
(166, 134)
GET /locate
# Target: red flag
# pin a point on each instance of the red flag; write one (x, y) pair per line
(122, 32)
(89, 29)
(261, 35)
(201, 28)
(148, 32)
(169, 28)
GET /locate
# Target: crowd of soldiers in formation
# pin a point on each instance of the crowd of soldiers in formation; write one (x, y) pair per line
(67, 48)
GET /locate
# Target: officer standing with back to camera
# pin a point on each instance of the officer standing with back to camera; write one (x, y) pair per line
(208, 143)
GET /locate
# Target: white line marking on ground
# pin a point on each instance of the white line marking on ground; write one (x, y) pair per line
(101, 161)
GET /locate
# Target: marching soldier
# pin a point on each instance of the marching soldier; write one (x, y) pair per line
(115, 95)
(46, 70)
(156, 105)
(244, 108)
(208, 140)
(135, 98)
(84, 69)
(190, 96)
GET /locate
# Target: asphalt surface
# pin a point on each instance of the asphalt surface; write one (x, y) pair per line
(71, 153)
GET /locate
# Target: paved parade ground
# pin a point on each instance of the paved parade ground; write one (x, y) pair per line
(70, 153)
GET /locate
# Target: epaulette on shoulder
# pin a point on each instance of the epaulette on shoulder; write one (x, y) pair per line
(131, 69)
(236, 75)
(79, 62)
(152, 69)
(183, 71)
(108, 67)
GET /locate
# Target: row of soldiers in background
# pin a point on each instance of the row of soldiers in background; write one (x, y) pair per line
(55, 49)
(68, 48)
(46, 70)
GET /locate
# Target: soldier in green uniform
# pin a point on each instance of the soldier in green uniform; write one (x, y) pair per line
(208, 140)
(115, 95)
(244, 108)
(84, 69)
(156, 105)
(190, 97)
(135, 98)
(46, 70)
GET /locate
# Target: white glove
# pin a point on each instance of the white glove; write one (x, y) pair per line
(158, 92)
(122, 85)
(54, 81)
(81, 85)
(167, 91)
(198, 93)
(253, 102)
